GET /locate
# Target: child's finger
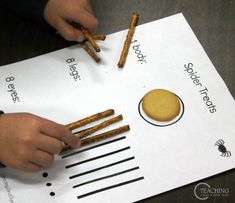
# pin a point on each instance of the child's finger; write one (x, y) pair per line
(68, 31)
(42, 158)
(26, 166)
(60, 132)
(87, 20)
(49, 144)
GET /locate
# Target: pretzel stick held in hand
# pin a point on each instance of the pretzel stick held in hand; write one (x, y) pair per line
(99, 37)
(134, 21)
(93, 129)
(90, 119)
(86, 132)
(89, 37)
(105, 135)
(100, 137)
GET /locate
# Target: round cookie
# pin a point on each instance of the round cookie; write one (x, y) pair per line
(161, 105)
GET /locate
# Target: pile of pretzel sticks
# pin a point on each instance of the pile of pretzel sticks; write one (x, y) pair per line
(91, 39)
(85, 135)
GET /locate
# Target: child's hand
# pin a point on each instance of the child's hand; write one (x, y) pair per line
(29, 142)
(60, 13)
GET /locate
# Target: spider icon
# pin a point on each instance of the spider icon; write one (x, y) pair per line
(222, 148)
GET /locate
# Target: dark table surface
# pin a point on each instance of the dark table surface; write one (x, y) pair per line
(213, 22)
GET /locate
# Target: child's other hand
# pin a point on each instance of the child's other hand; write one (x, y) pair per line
(60, 13)
(29, 142)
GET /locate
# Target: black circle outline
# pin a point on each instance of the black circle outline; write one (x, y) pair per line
(183, 108)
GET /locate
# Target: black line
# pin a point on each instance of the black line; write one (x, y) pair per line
(102, 167)
(110, 187)
(97, 157)
(95, 146)
(105, 177)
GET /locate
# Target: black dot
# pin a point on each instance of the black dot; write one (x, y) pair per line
(48, 184)
(45, 175)
(52, 193)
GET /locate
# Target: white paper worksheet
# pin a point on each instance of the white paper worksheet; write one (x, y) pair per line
(153, 157)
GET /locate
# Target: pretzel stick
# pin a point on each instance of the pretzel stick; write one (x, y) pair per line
(134, 21)
(90, 39)
(105, 135)
(98, 127)
(99, 37)
(100, 137)
(90, 119)
(90, 52)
